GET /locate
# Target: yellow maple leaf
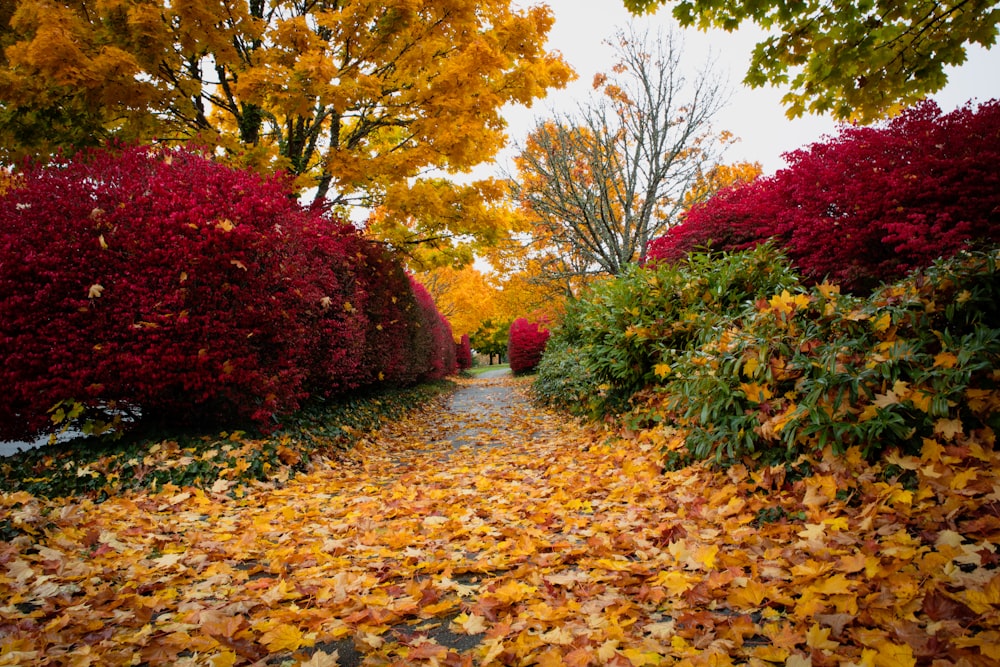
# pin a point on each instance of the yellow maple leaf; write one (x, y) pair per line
(785, 303)
(470, 624)
(750, 367)
(322, 659)
(948, 428)
(894, 655)
(284, 637)
(662, 370)
(751, 596)
(819, 637)
(514, 591)
(945, 360)
(882, 322)
(756, 392)
(674, 581)
(820, 490)
(223, 659)
(962, 479)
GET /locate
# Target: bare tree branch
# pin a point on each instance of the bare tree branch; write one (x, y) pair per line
(603, 182)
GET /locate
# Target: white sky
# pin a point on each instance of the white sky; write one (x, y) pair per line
(754, 115)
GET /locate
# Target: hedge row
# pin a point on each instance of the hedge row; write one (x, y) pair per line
(867, 206)
(158, 283)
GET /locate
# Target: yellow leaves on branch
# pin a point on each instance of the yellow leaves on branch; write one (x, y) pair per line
(356, 99)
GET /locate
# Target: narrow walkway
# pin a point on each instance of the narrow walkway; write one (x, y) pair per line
(486, 531)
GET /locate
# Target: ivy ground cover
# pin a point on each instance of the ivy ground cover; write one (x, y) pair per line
(557, 544)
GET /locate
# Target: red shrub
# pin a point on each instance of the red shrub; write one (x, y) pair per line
(869, 205)
(434, 347)
(526, 344)
(163, 281)
(463, 353)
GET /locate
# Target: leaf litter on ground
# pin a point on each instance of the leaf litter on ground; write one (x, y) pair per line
(561, 544)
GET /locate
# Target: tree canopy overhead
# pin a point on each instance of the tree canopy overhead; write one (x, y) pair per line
(358, 99)
(855, 60)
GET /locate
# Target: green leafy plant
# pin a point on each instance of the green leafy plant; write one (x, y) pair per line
(628, 332)
(804, 370)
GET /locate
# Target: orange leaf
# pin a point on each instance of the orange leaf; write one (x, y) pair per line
(284, 638)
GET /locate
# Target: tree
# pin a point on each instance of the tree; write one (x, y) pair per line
(464, 296)
(601, 185)
(720, 177)
(867, 206)
(491, 338)
(358, 98)
(856, 60)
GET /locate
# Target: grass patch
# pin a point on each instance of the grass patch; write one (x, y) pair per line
(479, 370)
(102, 467)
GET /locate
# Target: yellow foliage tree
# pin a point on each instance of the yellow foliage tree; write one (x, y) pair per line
(719, 177)
(358, 99)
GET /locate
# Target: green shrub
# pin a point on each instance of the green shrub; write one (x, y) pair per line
(629, 331)
(807, 369)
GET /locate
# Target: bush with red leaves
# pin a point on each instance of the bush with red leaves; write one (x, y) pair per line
(463, 353)
(526, 344)
(161, 281)
(867, 206)
(433, 347)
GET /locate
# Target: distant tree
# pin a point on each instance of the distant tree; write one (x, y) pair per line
(491, 339)
(526, 344)
(599, 185)
(857, 60)
(463, 353)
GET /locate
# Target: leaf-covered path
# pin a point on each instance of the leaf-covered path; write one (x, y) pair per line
(484, 530)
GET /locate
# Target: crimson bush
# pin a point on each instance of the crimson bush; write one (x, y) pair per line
(867, 206)
(162, 282)
(433, 347)
(463, 353)
(526, 344)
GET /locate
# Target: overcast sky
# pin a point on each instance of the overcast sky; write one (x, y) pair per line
(754, 115)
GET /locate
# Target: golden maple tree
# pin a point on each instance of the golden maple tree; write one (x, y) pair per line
(719, 177)
(359, 99)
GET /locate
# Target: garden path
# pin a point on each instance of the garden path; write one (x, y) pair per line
(484, 530)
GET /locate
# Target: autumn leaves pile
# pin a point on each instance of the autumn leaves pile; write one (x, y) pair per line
(559, 544)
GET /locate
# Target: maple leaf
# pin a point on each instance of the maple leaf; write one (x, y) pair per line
(948, 428)
(818, 637)
(820, 490)
(470, 624)
(285, 637)
(322, 659)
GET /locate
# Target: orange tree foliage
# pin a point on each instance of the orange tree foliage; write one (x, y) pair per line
(358, 99)
(464, 296)
(720, 177)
